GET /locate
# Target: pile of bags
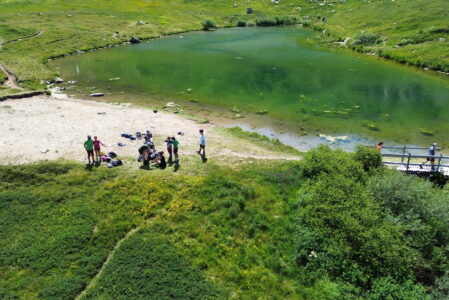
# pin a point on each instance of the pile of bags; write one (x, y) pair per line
(109, 158)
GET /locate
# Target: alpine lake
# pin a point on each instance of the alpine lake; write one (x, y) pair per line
(270, 79)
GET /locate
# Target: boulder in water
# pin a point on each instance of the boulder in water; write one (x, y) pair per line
(249, 10)
(58, 80)
(134, 40)
(97, 95)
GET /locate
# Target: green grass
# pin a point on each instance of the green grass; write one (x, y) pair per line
(333, 226)
(149, 258)
(67, 26)
(261, 140)
(59, 222)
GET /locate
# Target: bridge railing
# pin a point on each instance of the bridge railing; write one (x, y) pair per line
(437, 165)
(405, 148)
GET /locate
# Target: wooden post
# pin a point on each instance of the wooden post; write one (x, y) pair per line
(408, 160)
(439, 162)
(403, 152)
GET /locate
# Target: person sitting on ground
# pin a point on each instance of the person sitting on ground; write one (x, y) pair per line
(153, 153)
(202, 150)
(97, 148)
(175, 148)
(379, 146)
(89, 146)
(161, 163)
(431, 158)
(143, 150)
(169, 143)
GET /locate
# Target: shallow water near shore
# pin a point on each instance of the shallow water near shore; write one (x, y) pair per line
(279, 74)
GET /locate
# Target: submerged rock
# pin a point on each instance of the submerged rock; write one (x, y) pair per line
(262, 112)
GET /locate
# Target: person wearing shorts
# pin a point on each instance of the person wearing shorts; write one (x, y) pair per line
(202, 150)
(97, 148)
(431, 158)
(89, 146)
(175, 148)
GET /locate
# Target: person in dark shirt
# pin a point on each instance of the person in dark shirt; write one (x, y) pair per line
(169, 143)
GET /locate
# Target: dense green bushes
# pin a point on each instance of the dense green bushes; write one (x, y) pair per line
(209, 25)
(277, 21)
(336, 226)
(366, 39)
(376, 233)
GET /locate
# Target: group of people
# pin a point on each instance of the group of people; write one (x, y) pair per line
(147, 152)
(93, 149)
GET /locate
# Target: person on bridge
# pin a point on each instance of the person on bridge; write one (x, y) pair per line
(379, 146)
(431, 158)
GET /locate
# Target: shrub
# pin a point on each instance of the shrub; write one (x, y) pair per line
(422, 212)
(209, 25)
(366, 39)
(324, 160)
(241, 23)
(370, 158)
(386, 288)
(277, 21)
(341, 234)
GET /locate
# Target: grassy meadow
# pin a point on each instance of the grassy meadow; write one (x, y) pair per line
(334, 225)
(347, 229)
(31, 32)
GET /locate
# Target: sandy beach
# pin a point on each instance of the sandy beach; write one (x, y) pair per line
(43, 127)
(51, 128)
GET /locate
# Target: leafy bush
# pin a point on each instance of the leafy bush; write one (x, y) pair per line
(422, 212)
(386, 288)
(370, 158)
(277, 21)
(324, 160)
(209, 25)
(364, 38)
(341, 233)
(241, 23)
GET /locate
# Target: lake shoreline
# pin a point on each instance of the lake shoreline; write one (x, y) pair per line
(55, 127)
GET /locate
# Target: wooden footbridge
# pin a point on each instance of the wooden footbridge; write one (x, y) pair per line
(413, 163)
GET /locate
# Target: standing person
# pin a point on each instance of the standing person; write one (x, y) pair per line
(149, 137)
(97, 148)
(379, 146)
(89, 146)
(169, 143)
(202, 150)
(431, 158)
(175, 148)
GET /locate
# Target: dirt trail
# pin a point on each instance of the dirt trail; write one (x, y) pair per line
(11, 82)
(24, 38)
(108, 259)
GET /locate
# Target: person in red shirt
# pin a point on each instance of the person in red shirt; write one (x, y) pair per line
(97, 148)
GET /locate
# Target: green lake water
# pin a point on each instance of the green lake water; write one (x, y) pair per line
(307, 87)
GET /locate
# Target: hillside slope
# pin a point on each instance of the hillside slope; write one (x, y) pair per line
(31, 32)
